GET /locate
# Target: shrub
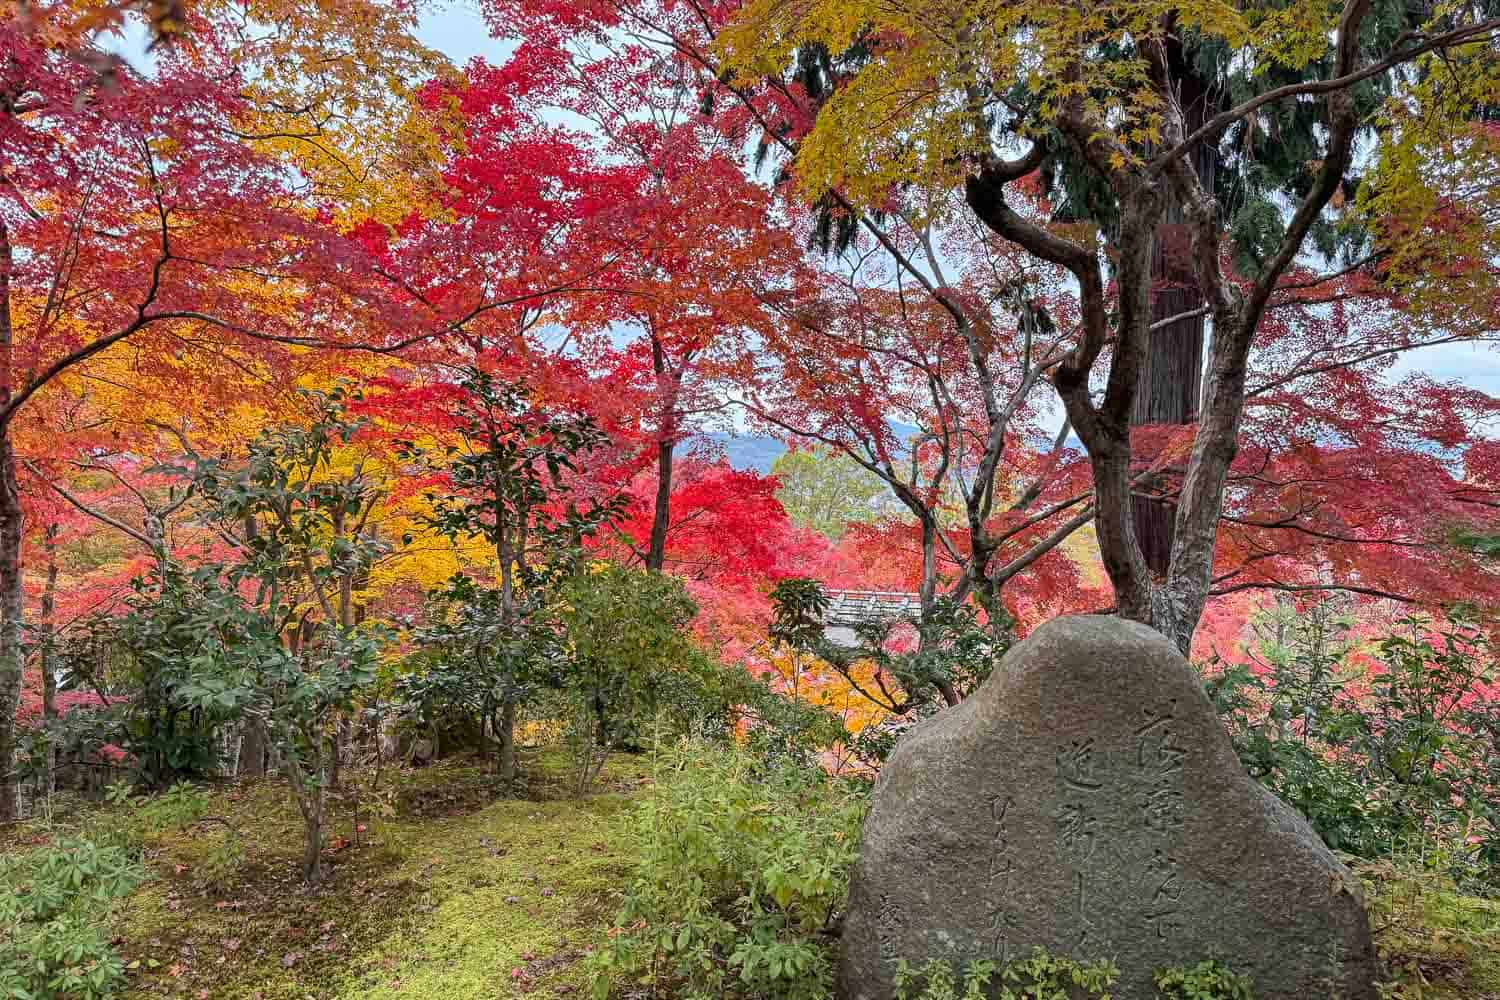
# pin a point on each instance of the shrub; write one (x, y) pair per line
(632, 661)
(1041, 976)
(779, 728)
(1207, 980)
(949, 654)
(1397, 758)
(743, 867)
(55, 904)
(1044, 976)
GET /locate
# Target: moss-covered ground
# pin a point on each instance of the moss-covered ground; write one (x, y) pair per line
(443, 885)
(1437, 943)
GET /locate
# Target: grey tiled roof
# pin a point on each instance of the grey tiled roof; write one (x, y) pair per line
(856, 607)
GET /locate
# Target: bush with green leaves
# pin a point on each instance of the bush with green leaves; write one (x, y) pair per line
(168, 735)
(743, 867)
(1400, 756)
(475, 661)
(301, 544)
(514, 482)
(632, 663)
(1208, 980)
(1044, 976)
(136, 664)
(1039, 976)
(241, 667)
(779, 728)
(55, 908)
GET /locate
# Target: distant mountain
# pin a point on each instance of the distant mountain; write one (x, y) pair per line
(748, 451)
(752, 451)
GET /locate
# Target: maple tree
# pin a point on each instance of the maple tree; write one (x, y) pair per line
(168, 210)
(1122, 119)
(850, 368)
(119, 194)
(812, 81)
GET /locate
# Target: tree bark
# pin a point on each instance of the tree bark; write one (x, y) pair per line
(10, 555)
(669, 386)
(253, 751)
(1172, 377)
(307, 789)
(11, 609)
(661, 517)
(928, 596)
(507, 736)
(48, 629)
(1178, 602)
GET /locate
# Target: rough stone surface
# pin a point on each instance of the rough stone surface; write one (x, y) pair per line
(1087, 800)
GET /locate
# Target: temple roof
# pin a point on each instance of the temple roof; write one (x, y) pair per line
(850, 608)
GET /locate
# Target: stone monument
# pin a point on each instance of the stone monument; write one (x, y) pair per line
(1086, 800)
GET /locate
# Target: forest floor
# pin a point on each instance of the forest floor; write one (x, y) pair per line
(439, 888)
(455, 894)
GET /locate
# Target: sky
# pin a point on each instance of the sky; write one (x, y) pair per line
(458, 32)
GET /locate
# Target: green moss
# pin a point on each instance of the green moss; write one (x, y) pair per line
(460, 894)
(1437, 943)
(513, 904)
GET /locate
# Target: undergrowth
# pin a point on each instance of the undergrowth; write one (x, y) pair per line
(441, 888)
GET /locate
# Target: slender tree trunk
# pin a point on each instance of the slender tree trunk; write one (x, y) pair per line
(11, 608)
(661, 516)
(312, 840)
(341, 729)
(307, 789)
(507, 736)
(669, 385)
(504, 551)
(48, 628)
(11, 660)
(335, 751)
(928, 595)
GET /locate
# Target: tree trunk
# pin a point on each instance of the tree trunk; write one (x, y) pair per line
(656, 553)
(253, 751)
(312, 842)
(307, 789)
(11, 658)
(1171, 379)
(669, 385)
(10, 555)
(928, 596)
(336, 753)
(507, 735)
(45, 657)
